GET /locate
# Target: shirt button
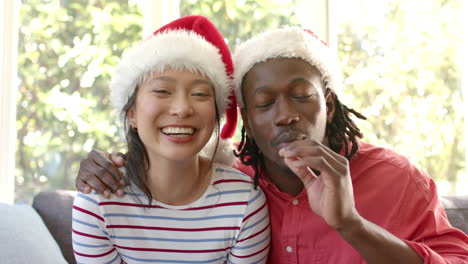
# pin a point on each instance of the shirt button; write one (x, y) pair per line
(289, 249)
(295, 202)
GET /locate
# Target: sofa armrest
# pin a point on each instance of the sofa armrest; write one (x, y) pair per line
(55, 209)
(456, 208)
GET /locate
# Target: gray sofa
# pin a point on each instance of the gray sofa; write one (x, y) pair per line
(54, 207)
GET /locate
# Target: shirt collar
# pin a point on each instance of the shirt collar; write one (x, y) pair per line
(350, 144)
(268, 186)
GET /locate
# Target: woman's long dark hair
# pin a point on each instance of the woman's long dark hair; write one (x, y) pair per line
(340, 131)
(137, 161)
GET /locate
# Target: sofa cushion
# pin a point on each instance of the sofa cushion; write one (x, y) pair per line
(24, 238)
(456, 208)
(55, 208)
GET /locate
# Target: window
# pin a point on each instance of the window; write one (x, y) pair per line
(402, 63)
(66, 54)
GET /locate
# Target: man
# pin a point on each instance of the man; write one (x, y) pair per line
(332, 198)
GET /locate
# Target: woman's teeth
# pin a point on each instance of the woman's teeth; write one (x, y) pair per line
(178, 131)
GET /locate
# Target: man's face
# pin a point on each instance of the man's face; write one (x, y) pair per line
(284, 101)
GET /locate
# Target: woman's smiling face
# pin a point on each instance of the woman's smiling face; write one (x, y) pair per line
(174, 113)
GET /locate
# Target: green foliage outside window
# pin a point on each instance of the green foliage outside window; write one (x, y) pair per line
(404, 74)
(67, 51)
(240, 20)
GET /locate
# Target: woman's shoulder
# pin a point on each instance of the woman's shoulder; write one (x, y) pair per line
(230, 179)
(227, 173)
(98, 199)
(230, 185)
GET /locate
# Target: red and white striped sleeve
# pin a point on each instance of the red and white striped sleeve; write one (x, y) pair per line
(91, 243)
(253, 242)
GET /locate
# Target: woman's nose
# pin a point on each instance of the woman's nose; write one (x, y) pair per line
(181, 106)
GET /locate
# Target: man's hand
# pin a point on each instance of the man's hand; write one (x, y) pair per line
(326, 178)
(100, 172)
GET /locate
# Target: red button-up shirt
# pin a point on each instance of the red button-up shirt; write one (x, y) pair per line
(388, 191)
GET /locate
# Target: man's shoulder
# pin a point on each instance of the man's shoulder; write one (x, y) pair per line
(378, 158)
(379, 154)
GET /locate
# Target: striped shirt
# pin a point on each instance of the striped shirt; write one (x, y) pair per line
(228, 224)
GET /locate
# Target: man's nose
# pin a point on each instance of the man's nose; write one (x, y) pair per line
(285, 112)
(181, 106)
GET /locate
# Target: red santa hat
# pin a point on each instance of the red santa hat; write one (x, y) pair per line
(190, 43)
(286, 42)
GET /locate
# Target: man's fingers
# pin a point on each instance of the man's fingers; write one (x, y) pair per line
(313, 172)
(313, 147)
(95, 184)
(112, 181)
(324, 157)
(302, 170)
(98, 172)
(106, 171)
(81, 186)
(118, 159)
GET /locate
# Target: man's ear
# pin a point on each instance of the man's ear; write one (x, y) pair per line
(330, 97)
(245, 121)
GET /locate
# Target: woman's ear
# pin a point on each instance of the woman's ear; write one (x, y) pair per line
(132, 117)
(330, 97)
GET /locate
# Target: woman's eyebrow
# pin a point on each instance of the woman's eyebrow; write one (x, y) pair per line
(164, 78)
(201, 81)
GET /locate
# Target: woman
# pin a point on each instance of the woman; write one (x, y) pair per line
(181, 206)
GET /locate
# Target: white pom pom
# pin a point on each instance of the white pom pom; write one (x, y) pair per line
(224, 151)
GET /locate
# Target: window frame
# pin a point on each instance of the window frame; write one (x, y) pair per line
(8, 91)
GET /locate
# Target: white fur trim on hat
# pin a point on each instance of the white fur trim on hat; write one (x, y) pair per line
(287, 42)
(176, 49)
(224, 150)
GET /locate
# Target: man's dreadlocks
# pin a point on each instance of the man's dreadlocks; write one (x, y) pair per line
(342, 129)
(339, 132)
